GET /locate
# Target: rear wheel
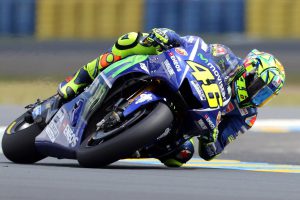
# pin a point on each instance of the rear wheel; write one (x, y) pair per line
(100, 148)
(18, 142)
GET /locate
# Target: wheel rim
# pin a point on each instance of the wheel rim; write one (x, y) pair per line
(101, 136)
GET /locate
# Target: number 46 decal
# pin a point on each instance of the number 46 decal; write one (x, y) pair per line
(209, 87)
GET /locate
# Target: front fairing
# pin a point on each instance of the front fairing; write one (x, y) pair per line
(206, 82)
(63, 135)
(213, 93)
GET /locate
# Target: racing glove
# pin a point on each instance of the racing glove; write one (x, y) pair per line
(162, 39)
(210, 136)
(158, 39)
(207, 144)
(207, 151)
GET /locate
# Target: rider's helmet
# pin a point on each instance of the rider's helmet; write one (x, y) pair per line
(261, 77)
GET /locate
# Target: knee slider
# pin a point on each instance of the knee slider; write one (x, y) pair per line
(183, 154)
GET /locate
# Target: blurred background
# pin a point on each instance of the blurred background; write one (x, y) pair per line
(43, 41)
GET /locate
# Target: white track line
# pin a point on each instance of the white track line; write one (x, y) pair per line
(2, 129)
(276, 125)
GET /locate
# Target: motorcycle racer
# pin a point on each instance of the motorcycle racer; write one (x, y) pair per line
(253, 82)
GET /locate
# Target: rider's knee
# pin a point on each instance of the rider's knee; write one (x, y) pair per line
(125, 44)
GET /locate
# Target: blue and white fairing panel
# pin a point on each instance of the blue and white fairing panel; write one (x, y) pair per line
(158, 66)
(170, 66)
(209, 87)
(63, 134)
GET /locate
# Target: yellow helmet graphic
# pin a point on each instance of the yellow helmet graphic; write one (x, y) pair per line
(262, 79)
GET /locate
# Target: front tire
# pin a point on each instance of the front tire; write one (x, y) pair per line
(128, 141)
(18, 142)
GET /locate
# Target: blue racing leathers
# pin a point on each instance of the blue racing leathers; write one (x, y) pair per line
(235, 121)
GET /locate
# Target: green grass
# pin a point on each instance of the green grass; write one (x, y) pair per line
(23, 92)
(26, 92)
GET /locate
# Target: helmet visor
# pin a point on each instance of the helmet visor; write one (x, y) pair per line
(259, 92)
(263, 96)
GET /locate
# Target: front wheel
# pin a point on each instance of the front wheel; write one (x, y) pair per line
(127, 141)
(18, 142)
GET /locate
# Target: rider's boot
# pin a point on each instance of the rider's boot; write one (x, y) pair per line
(126, 45)
(85, 76)
(72, 86)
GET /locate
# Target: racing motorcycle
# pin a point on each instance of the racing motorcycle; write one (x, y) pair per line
(141, 106)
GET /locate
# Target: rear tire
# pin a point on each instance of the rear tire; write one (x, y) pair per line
(18, 142)
(128, 141)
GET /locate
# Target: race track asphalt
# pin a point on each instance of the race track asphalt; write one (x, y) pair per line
(60, 180)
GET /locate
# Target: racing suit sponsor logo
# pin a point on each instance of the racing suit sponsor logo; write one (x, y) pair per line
(169, 68)
(71, 137)
(143, 98)
(243, 111)
(198, 90)
(202, 124)
(230, 107)
(276, 81)
(250, 120)
(218, 50)
(181, 51)
(210, 123)
(144, 67)
(175, 62)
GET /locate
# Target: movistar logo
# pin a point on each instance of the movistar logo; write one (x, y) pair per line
(202, 57)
